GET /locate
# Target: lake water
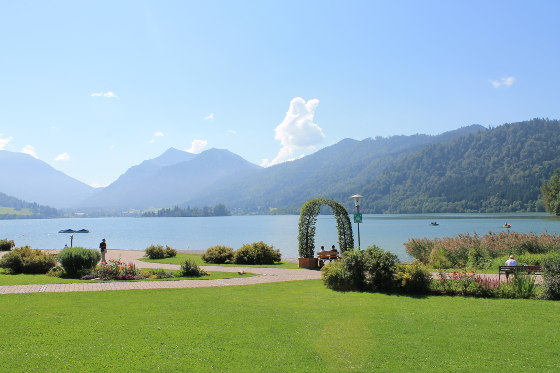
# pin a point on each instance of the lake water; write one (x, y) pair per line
(386, 231)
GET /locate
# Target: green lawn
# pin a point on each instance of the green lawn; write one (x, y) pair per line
(180, 258)
(295, 326)
(21, 279)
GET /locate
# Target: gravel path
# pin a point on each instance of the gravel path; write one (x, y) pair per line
(265, 275)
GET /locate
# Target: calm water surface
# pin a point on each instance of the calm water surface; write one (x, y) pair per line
(386, 231)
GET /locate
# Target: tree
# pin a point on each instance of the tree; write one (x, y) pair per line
(551, 193)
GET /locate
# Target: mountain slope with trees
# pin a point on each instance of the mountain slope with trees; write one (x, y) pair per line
(13, 208)
(342, 169)
(500, 170)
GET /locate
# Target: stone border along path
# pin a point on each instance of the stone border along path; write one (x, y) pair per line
(265, 275)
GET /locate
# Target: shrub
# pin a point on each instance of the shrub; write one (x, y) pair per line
(218, 255)
(438, 258)
(420, 248)
(190, 269)
(257, 253)
(6, 245)
(155, 252)
(76, 261)
(551, 277)
(336, 277)
(158, 252)
(27, 260)
(413, 278)
(170, 252)
(371, 270)
(380, 268)
(520, 286)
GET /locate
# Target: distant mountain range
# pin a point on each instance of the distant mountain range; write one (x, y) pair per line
(469, 169)
(33, 180)
(169, 179)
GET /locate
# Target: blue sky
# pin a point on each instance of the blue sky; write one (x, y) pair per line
(93, 88)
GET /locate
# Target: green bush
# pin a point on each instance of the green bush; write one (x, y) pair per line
(78, 261)
(218, 255)
(158, 252)
(438, 258)
(257, 253)
(190, 269)
(520, 286)
(155, 252)
(551, 277)
(413, 278)
(170, 252)
(27, 260)
(6, 245)
(369, 270)
(336, 277)
(380, 269)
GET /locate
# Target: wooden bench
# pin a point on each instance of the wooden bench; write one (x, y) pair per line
(507, 270)
(327, 255)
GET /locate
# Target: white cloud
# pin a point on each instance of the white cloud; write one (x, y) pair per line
(297, 132)
(232, 132)
(62, 157)
(28, 149)
(107, 94)
(209, 117)
(4, 141)
(503, 82)
(197, 146)
(156, 134)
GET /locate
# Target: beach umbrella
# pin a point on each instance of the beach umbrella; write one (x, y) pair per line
(72, 231)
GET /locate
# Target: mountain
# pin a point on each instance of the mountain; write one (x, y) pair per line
(169, 179)
(499, 170)
(342, 169)
(13, 208)
(30, 179)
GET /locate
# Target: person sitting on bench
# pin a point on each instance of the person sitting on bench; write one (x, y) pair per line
(511, 261)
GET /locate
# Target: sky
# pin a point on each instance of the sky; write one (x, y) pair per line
(93, 88)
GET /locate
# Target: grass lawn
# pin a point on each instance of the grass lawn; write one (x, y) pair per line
(180, 258)
(22, 279)
(295, 326)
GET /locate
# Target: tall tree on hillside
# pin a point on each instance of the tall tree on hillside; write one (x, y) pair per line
(551, 193)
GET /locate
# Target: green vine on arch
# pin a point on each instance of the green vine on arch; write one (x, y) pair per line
(308, 218)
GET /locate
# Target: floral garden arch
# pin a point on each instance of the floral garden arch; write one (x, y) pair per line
(308, 218)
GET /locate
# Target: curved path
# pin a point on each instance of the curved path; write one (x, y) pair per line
(264, 275)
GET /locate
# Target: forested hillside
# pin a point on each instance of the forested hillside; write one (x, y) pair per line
(13, 208)
(500, 170)
(341, 170)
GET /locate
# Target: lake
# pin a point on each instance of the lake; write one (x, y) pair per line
(386, 231)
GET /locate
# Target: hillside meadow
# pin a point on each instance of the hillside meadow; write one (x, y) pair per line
(283, 327)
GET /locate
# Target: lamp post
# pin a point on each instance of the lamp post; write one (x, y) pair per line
(357, 216)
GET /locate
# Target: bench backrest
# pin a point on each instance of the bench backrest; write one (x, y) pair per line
(520, 268)
(327, 254)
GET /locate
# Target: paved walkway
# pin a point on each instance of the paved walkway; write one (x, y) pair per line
(265, 275)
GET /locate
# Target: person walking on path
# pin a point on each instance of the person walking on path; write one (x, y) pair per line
(103, 248)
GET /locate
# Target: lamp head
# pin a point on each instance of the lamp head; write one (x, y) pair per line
(357, 199)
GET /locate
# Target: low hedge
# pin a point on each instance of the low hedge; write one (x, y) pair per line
(158, 252)
(257, 253)
(27, 260)
(218, 254)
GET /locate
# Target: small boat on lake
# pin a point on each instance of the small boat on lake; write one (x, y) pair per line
(434, 223)
(506, 225)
